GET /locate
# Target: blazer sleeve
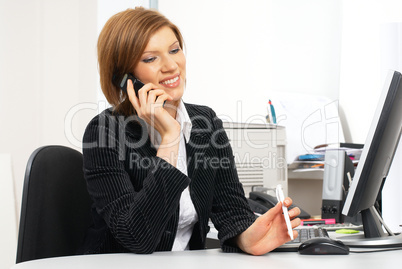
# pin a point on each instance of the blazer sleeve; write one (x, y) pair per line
(231, 213)
(136, 218)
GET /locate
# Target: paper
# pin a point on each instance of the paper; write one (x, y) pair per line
(310, 120)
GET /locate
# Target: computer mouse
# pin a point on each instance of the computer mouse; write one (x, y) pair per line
(323, 246)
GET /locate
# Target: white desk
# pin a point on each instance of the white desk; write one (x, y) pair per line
(215, 258)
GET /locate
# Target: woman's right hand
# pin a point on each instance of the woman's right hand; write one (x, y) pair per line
(150, 107)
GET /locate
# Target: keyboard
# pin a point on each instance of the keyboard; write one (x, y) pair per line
(304, 235)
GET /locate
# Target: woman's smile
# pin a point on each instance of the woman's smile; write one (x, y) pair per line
(171, 82)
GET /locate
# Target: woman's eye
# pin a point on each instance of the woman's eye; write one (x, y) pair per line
(149, 60)
(174, 51)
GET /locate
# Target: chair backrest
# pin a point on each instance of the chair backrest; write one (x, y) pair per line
(55, 208)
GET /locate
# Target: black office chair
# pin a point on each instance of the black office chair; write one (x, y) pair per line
(55, 208)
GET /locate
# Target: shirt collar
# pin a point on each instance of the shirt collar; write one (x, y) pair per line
(184, 120)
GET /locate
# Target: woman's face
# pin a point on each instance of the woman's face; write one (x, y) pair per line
(163, 63)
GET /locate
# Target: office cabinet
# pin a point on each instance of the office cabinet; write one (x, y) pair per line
(260, 154)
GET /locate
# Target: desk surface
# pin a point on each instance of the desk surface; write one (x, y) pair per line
(215, 258)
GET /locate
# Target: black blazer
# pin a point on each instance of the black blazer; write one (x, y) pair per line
(136, 194)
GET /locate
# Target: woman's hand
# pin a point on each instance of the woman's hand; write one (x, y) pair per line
(150, 107)
(269, 231)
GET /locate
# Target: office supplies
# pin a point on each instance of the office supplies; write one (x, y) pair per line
(354, 151)
(340, 145)
(337, 226)
(372, 170)
(346, 231)
(261, 202)
(319, 165)
(312, 157)
(281, 198)
(310, 222)
(267, 118)
(272, 112)
(323, 246)
(310, 120)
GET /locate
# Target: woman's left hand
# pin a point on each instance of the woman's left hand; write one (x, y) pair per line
(269, 231)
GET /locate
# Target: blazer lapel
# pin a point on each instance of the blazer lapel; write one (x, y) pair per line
(199, 142)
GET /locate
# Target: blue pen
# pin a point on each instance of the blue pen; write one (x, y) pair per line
(272, 112)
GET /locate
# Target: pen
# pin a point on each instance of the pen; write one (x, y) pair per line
(272, 112)
(280, 197)
(267, 117)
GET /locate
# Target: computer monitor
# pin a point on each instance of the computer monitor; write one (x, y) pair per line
(372, 169)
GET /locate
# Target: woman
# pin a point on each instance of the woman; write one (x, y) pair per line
(156, 168)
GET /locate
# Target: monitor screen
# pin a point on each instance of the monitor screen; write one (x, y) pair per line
(375, 161)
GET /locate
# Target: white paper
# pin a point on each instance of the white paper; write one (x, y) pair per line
(310, 120)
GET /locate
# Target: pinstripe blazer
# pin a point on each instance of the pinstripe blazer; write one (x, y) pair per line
(136, 194)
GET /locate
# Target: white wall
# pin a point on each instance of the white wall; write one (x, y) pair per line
(8, 224)
(105, 10)
(47, 66)
(239, 53)
(368, 51)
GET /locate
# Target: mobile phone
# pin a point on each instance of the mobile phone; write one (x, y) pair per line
(136, 82)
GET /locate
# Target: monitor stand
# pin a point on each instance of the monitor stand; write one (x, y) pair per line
(374, 235)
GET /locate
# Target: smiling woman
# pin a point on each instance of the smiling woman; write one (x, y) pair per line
(157, 173)
(121, 46)
(163, 63)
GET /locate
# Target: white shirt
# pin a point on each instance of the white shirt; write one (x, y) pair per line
(187, 215)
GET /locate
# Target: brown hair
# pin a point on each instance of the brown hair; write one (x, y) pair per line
(120, 45)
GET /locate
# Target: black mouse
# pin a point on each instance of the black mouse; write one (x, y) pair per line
(323, 246)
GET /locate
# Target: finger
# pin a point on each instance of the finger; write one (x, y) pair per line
(295, 222)
(162, 98)
(272, 213)
(294, 212)
(143, 92)
(288, 201)
(159, 102)
(154, 94)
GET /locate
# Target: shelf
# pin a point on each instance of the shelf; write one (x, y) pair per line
(317, 174)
